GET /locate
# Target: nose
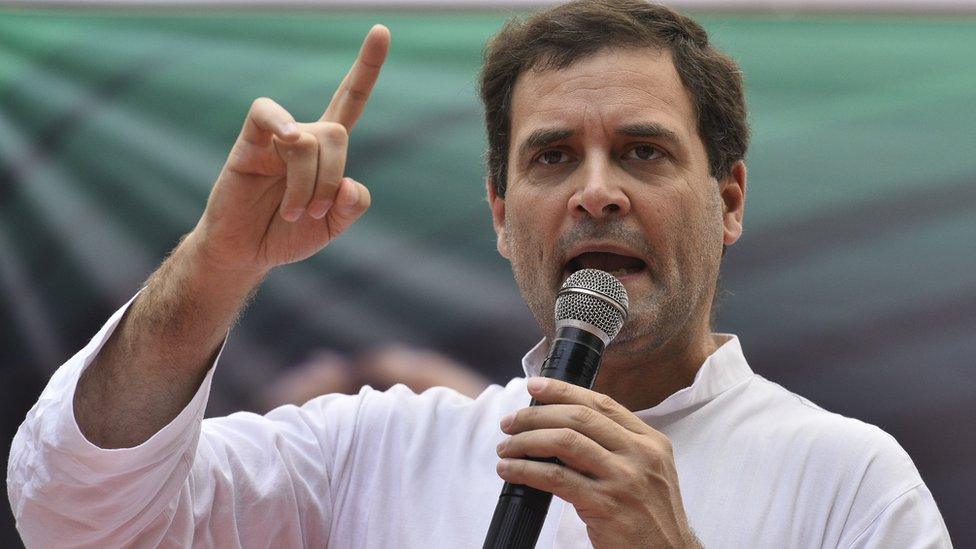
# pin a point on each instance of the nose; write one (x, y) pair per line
(599, 194)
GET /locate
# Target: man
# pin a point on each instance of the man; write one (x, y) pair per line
(616, 140)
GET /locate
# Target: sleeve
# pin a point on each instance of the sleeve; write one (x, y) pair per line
(238, 481)
(911, 521)
(891, 507)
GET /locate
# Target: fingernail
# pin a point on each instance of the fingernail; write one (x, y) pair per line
(538, 383)
(353, 200)
(507, 421)
(318, 208)
(293, 214)
(501, 446)
(502, 465)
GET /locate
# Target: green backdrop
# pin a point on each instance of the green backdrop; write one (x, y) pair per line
(854, 284)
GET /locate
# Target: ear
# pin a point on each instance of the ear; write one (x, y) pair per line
(732, 189)
(497, 205)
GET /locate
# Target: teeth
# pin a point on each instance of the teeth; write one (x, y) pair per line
(620, 272)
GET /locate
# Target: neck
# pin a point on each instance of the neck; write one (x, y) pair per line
(642, 379)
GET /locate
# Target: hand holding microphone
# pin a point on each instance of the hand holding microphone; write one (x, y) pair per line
(618, 472)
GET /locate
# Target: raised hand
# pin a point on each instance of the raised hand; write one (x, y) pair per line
(280, 197)
(282, 194)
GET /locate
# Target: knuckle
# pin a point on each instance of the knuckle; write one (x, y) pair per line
(260, 103)
(306, 143)
(517, 466)
(605, 404)
(660, 444)
(568, 438)
(666, 445)
(335, 133)
(357, 95)
(612, 506)
(557, 389)
(582, 415)
(554, 475)
(628, 474)
(328, 178)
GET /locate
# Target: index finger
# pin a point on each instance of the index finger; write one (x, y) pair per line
(350, 98)
(582, 419)
(554, 391)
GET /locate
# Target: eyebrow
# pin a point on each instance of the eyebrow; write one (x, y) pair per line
(651, 130)
(544, 137)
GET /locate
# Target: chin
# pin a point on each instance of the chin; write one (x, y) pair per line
(646, 328)
(630, 340)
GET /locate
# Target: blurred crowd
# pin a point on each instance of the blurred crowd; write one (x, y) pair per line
(328, 371)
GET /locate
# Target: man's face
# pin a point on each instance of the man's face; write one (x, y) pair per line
(607, 170)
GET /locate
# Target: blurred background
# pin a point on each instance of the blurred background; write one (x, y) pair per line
(854, 285)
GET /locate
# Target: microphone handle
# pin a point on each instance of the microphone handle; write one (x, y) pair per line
(521, 510)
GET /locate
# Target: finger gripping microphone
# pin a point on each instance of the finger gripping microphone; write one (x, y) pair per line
(591, 307)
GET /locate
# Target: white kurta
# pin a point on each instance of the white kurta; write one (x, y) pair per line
(758, 466)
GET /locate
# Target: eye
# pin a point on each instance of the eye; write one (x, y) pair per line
(551, 156)
(643, 152)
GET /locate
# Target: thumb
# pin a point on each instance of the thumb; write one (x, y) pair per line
(352, 200)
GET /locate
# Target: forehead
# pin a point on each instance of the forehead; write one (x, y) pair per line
(610, 88)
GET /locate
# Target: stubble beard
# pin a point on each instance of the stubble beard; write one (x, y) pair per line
(668, 316)
(539, 299)
(681, 305)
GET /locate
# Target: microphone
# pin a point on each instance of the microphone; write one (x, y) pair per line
(591, 308)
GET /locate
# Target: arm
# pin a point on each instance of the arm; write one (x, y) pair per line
(109, 455)
(280, 198)
(158, 355)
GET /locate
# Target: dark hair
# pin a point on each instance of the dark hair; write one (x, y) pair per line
(557, 37)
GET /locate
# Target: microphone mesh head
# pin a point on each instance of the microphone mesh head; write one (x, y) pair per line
(595, 297)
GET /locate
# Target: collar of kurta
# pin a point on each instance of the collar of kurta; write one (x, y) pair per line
(721, 371)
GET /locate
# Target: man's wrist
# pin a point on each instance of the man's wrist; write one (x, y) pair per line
(190, 302)
(205, 270)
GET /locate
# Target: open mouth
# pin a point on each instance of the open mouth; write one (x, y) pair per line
(615, 264)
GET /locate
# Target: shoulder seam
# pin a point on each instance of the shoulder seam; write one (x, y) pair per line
(882, 512)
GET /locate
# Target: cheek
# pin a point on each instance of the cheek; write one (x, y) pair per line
(664, 215)
(519, 235)
(531, 222)
(703, 228)
(681, 220)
